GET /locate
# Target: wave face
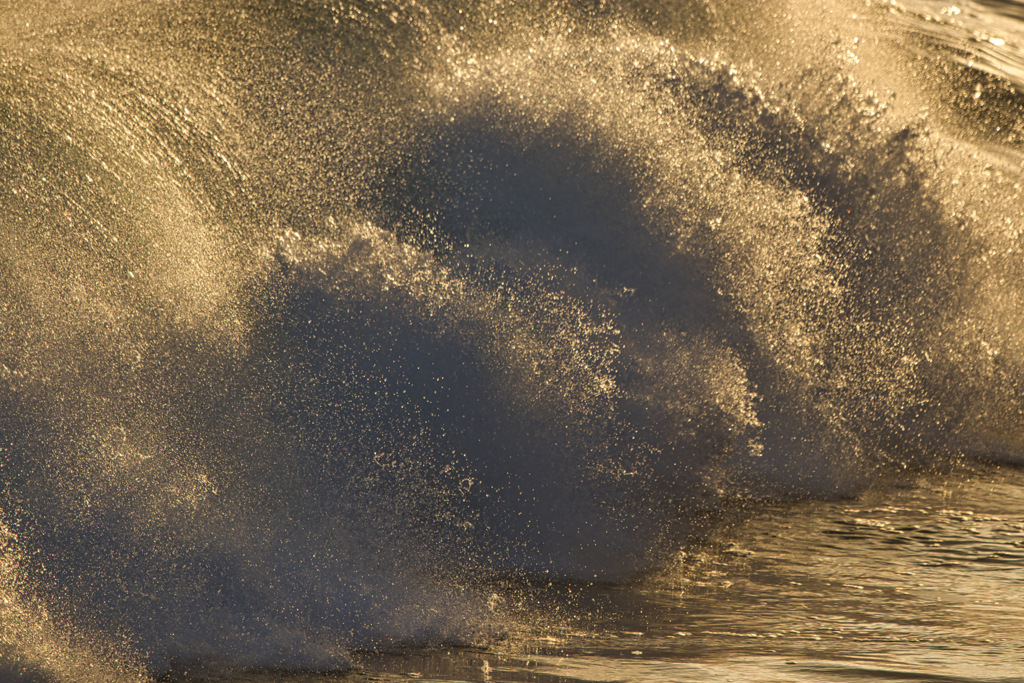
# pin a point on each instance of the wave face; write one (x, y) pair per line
(318, 316)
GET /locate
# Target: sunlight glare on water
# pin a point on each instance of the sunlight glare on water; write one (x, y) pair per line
(920, 583)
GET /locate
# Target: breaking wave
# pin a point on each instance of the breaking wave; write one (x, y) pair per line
(318, 316)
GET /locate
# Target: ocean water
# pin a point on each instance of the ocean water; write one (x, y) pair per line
(492, 341)
(919, 583)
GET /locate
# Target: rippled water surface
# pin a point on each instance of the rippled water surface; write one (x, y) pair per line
(919, 583)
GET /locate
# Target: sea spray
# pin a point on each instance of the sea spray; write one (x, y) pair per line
(319, 317)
